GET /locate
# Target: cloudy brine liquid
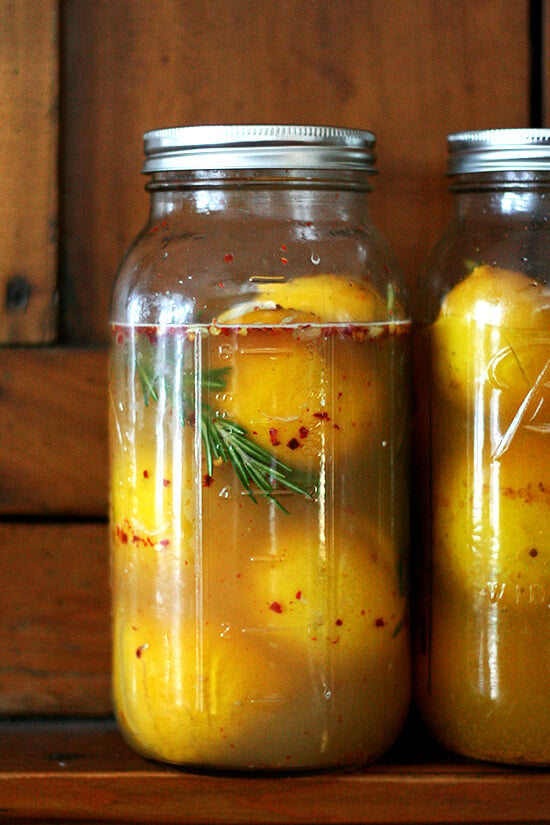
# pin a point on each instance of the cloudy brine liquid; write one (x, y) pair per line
(259, 541)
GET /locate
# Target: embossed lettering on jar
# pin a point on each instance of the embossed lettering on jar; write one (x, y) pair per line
(259, 455)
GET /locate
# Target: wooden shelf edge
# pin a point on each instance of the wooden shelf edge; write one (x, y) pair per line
(66, 771)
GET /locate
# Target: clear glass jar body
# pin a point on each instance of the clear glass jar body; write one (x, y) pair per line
(482, 464)
(259, 609)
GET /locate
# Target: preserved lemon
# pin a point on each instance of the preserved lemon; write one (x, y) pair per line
(506, 550)
(329, 297)
(314, 394)
(481, 331)
(189, 691)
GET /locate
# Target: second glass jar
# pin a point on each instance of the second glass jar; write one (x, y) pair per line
(259, 455)
(483, 455)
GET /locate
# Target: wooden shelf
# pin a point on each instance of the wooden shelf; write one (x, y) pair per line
(67, 771)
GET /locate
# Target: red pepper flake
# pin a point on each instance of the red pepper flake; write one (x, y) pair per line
(336, 426)
(273, 436)
(122, 535)
(293, 444)
(208, 481)
(303, 432)
(276, 607)
(379, 622)
(140, 650)
(339, 622)
(283, 247)
(284, 260)
(298, 594)
(164, 542)
(228, 258)
(166, 482)
(146, 474)
(322, 416)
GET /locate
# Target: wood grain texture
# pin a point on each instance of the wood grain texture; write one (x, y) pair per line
(28, 170)
(53, 420)
(85, 773)
(54, 619)
(411, 70)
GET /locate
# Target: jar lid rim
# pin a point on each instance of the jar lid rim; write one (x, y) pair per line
(258, 146)
(499, 150)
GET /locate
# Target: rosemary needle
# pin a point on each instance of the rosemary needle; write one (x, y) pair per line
(147, 382)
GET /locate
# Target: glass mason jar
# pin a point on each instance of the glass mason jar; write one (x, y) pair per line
(482, 359)
(259, 452)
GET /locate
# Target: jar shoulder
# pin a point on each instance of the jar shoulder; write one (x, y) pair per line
(178, 274)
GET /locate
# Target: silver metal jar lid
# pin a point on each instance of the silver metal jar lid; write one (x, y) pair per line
(258, 147)
(499, 150)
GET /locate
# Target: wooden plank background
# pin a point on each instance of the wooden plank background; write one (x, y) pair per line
(53, 417)
(410, 70)
(29, 61)
(54, 626)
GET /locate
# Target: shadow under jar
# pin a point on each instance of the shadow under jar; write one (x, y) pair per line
(259, 457)
(482, 373)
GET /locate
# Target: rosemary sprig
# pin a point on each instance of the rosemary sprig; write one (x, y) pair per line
(223, 439)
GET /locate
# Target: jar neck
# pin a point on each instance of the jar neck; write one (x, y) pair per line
(501, 195)
(296, 194)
